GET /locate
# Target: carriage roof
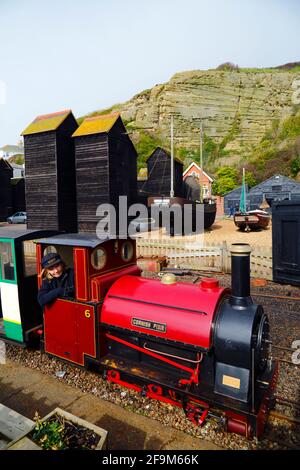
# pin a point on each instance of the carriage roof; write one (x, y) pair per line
(22, 233)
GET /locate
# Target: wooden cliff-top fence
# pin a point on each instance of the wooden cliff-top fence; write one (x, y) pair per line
(212, 257)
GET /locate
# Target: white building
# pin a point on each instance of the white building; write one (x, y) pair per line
(10, 150)
(19, 170)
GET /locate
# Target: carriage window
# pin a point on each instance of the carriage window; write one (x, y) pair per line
(98, 258)
(7, 262)
(49, 249)
(29, 255)
(127, 251)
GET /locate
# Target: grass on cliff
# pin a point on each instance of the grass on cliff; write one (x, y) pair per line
(278, 151)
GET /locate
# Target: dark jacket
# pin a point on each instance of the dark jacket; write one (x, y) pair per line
(62, 286)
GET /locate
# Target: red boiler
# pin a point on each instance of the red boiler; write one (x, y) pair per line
(177, 312)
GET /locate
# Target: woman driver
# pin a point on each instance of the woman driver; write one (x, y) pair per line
(58, 281)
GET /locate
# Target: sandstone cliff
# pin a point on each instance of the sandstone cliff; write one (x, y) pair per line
(237, 109)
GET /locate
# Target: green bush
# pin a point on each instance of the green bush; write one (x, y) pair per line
(227, 172)
(228, 67)
(295, 166)
(223, 186)
(226, 180)
(290, 127)
(250, 179)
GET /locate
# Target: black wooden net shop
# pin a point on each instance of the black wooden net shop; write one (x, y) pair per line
(50, 172)
(6, 203)
(106, 167)
(159, 174)
(286, 241)
(18, 194)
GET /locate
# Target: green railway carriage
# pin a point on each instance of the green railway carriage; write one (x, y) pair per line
(20, 314)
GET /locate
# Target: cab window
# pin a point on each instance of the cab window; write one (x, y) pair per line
(127, 251)
(7, 266)
(98, 258)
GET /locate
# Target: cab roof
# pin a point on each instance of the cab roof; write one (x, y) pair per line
(74, 239)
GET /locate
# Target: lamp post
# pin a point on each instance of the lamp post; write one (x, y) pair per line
(201, 163)
(172, 159)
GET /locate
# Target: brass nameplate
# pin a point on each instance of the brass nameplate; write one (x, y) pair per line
(231, 381)
(149, 325)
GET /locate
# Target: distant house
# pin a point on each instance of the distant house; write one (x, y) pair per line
(10, 150)
(276, 188)
(18, 170)
(204, 178)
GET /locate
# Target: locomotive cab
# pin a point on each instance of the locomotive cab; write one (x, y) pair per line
(21, 315)
(71, 325)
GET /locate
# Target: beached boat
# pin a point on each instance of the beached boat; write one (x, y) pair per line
(250, 220)
(209, 208)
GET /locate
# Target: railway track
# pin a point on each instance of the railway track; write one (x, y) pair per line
(275, 297)
(278, 431)
(286, 350)
(286, 418)
(287, 402)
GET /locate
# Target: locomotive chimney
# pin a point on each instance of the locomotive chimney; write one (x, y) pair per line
(240, 273)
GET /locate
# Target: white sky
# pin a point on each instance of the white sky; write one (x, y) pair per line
(90, 54)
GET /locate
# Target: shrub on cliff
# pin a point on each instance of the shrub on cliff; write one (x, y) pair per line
(228, 67)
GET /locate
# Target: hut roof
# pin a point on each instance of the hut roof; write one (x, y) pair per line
(160, 149)
(97, 124)
(5, 163)
(46, 122)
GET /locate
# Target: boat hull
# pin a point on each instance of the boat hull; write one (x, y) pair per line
(252, 220)
(209, 208)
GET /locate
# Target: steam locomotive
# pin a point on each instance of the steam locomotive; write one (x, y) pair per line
(200, 347)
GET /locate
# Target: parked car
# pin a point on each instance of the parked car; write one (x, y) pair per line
(17, 218)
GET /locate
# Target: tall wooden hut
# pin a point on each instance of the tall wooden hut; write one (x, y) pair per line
(6, 173)
(159, 174)
(50, 172)
(18, 194)
(106, 167)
